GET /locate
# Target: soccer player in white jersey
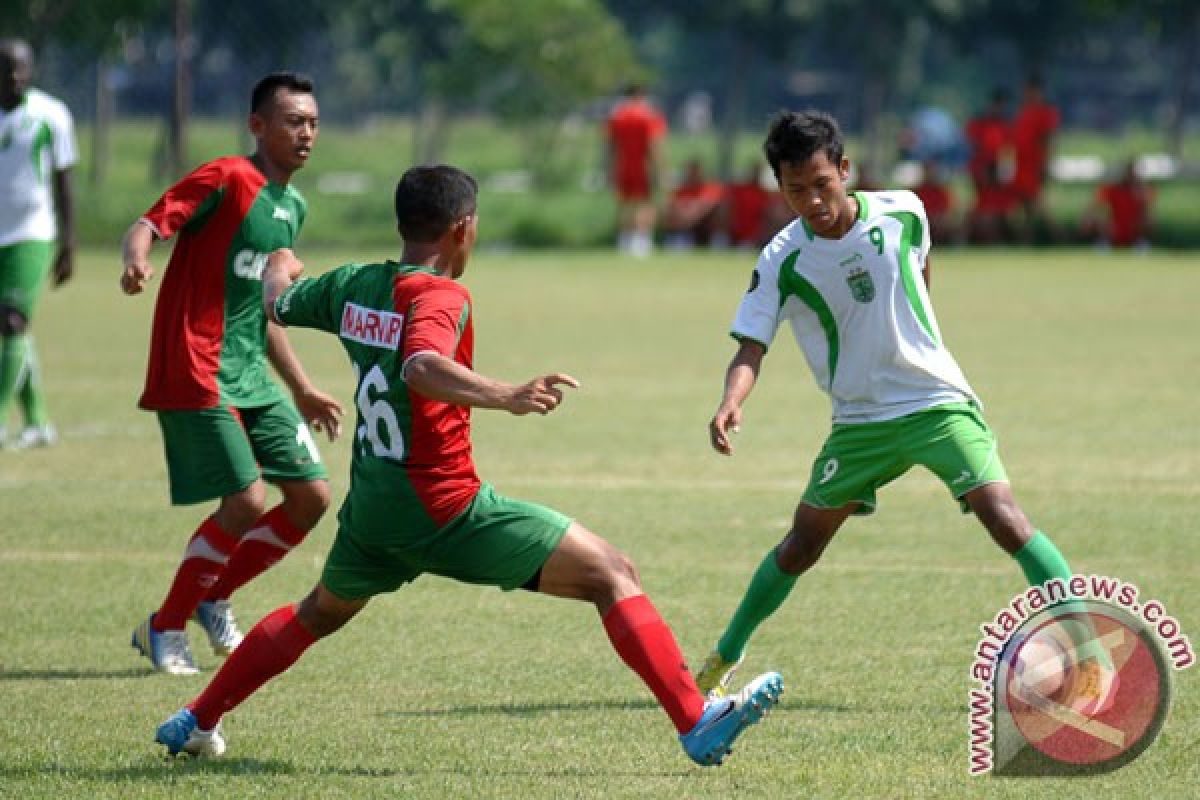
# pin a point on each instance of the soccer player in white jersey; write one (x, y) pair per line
(851, 276)
(37, 151)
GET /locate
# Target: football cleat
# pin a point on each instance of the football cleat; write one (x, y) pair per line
(182, 734)
(714, 677)
(1091, 688)
(725, 718)
(168, 651)
(216, 617)
(36, 436)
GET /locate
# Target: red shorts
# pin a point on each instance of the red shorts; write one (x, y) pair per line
(632, 184)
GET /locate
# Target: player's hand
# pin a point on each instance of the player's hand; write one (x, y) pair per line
(726, 421)
(540, 395)
(292, 265)
(135, 277)
(321, 412)
(64, 265)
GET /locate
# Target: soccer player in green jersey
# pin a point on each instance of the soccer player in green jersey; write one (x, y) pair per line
(226, 426)
(416, 504)
(37, 152)
(851, 276)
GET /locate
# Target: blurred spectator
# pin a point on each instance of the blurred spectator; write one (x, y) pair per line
(1120, 212)
(635, 128)
(747, 201)
(1032, 135)
(939, 204)
(693, 213)
(932, 134)
(988, 136)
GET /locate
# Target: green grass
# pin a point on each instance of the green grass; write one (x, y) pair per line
(1088, 365)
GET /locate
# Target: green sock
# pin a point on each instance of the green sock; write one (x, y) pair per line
(12, 362)
(768, 589)
(1041, 561)
(29, 391)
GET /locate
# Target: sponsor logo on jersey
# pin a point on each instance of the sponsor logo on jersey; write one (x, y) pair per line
(249, 264)
(854, 259)
(371, 327)
(862, 288)
(282, 213)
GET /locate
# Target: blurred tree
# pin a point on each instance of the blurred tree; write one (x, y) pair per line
(96, 28)
(534, 63)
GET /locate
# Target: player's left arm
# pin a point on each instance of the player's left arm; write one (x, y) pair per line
(64, 209)
(927, 273)
(438, 377)
(320, 410)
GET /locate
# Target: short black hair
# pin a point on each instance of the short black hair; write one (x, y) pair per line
(264, 90)
(796, 136)
(431, 199)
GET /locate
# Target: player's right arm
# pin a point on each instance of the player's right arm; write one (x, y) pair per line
(197, 194)
(443, 379)
(740, 378)
(754, 327)
(135, 256)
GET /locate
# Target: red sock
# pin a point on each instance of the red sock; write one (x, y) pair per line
(271, 646)
(205, 558)
(646, 644)
(271, 538)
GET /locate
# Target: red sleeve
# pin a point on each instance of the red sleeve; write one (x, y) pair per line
(179, 203)
(435, 321)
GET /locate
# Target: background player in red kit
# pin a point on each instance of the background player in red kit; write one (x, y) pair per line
(635, 128)
(226, 425)
(1032, 135)
(416, 504)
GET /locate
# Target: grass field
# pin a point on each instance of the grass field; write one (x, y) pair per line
(1090, 369)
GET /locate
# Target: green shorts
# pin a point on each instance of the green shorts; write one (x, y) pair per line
(497, 541)
(952, 441)
(216, 452)
(23, 270)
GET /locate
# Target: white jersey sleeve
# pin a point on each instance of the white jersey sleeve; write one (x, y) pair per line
(761, 311)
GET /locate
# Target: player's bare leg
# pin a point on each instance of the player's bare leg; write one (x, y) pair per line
(586, 567)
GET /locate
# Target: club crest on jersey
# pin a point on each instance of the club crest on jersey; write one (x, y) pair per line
(372, 327)
(862, 288)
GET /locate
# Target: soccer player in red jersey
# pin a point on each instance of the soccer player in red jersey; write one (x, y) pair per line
(416, 504)
(635, 129)
(1032, 134)
(226, 425)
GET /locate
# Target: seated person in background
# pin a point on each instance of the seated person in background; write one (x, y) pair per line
(1120, 212)
(693, 214)
(939, 203)
(746, 205)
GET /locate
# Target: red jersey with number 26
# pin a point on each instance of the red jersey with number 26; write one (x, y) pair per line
(412, 455)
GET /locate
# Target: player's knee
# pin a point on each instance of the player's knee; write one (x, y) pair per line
(306, 502)
(799, 551)
(13, 321)
(612, 577)
(238, 512)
